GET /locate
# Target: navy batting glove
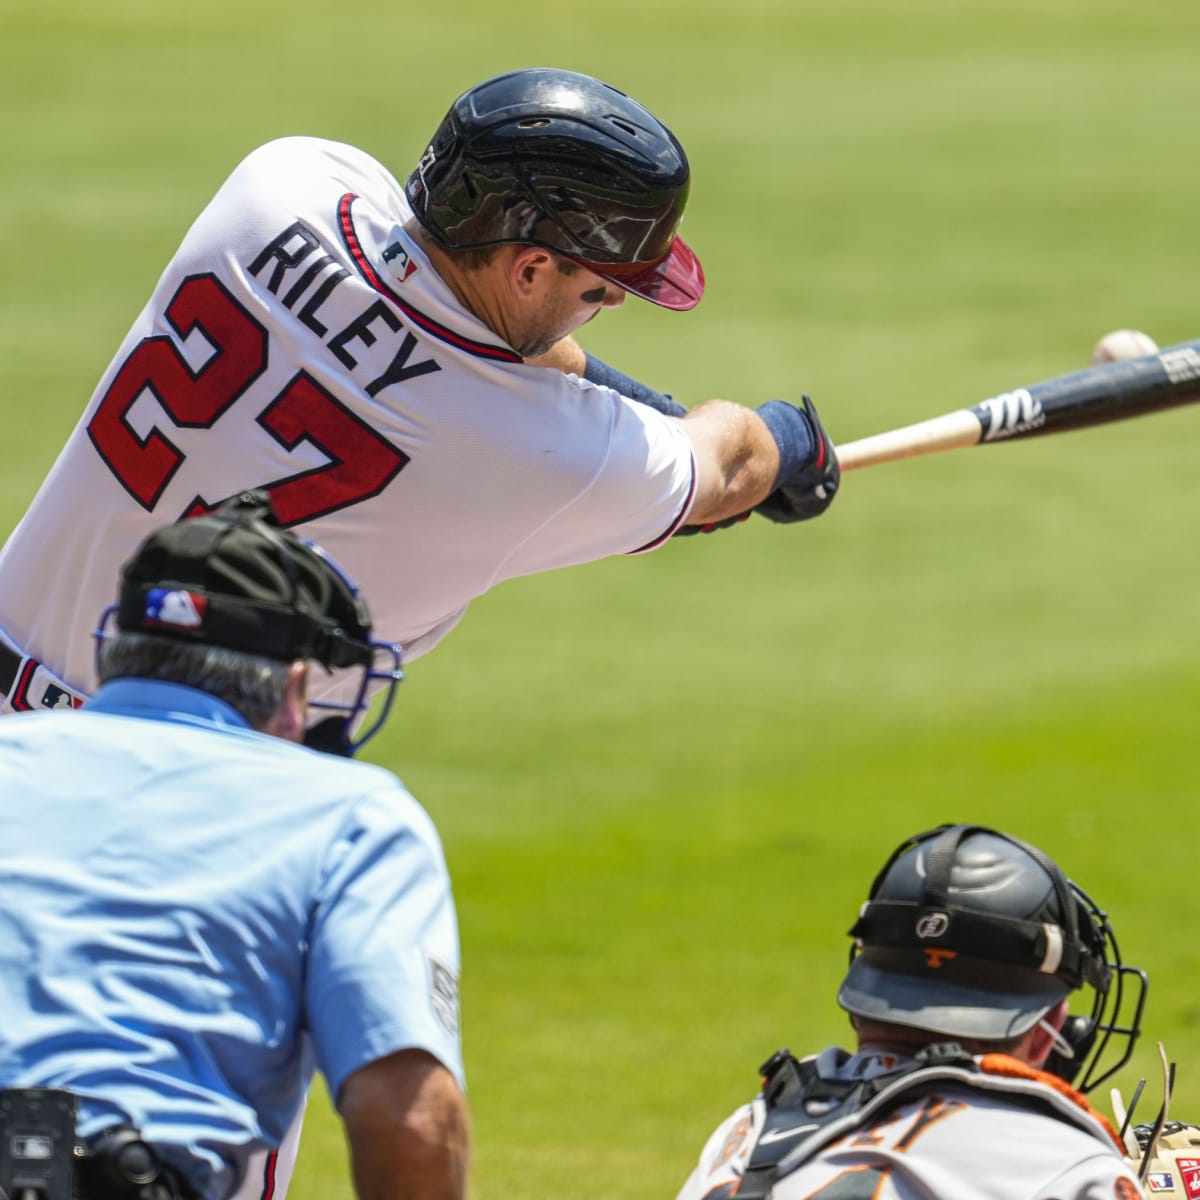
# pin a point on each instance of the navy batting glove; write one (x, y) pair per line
(808, 491)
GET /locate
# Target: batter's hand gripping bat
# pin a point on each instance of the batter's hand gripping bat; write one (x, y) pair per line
(1110, 392)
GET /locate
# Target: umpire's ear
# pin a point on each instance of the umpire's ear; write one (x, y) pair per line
(288, 721)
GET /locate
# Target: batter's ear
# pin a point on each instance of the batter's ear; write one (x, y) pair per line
(529, 269)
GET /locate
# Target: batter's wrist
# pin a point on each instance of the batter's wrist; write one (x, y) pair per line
(793, 434)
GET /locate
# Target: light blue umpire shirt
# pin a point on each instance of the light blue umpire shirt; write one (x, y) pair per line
(193, 915)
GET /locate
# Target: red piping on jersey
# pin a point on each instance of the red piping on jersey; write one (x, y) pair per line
(675, 524)
(17, 700)
(269, 1175)
(368, 272)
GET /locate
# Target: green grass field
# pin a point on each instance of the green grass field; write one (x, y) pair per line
(665, 784)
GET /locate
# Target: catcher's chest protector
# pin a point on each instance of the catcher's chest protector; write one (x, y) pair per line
(805, 1113)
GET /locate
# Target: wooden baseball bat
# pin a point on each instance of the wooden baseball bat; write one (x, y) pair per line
(1110, 392)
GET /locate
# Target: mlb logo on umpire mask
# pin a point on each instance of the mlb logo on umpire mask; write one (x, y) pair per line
(235, 578)
(174, 606)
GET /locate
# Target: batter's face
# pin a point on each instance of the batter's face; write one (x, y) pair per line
(558, 298)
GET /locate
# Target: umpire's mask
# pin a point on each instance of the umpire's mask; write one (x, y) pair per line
(235, 578)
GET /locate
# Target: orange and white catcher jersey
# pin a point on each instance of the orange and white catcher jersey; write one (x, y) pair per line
(954, 1141)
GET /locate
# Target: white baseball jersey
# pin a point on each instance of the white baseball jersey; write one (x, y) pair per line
(300, 341)
(1032, 1140)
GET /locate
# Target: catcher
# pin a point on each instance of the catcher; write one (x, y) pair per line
(965, 955)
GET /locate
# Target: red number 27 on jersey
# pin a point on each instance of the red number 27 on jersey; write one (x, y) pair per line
(361, 462)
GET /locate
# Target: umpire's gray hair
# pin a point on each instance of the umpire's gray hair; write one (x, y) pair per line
(251, 684)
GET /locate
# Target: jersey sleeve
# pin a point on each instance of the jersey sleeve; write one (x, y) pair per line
(639, 491)
(384, 950)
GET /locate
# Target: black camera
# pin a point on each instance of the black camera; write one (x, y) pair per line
(41, 1157)
(37, 1144)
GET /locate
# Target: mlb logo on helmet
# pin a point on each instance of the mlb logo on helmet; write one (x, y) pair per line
(174, 607)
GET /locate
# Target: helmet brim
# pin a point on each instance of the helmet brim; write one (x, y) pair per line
(675, 281)
(945, 1006)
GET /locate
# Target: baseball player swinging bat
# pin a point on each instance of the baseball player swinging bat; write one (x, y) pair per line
(1111, 392)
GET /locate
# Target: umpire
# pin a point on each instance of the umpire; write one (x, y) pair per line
(198, 911)
(965, 954)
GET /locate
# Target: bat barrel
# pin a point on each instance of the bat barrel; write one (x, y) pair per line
(1110, 392)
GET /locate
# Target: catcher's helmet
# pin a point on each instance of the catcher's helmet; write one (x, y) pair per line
(234, 578)
(561, 160)
(972, 933)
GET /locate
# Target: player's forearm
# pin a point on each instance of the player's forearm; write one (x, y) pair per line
(737, 460)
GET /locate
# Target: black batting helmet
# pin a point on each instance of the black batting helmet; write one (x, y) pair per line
(972, 933)
(561, 160)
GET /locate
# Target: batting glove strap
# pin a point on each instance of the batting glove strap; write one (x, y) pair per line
(808, 467)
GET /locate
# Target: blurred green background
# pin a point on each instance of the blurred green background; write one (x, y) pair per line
(664, 784)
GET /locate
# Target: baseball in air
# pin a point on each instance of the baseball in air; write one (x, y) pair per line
(1122, 344)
